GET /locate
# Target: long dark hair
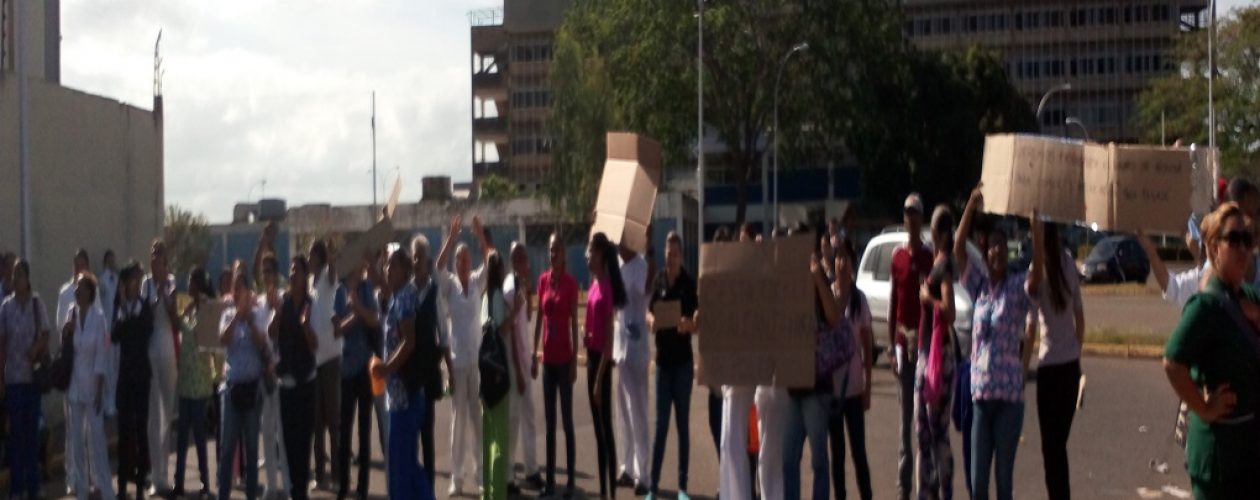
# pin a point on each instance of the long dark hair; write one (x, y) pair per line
(1055, 276)
(608, 253)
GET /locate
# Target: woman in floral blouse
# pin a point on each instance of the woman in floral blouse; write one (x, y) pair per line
(1001, 304)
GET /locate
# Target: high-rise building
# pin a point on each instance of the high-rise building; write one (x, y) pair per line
(1106, 50)
(511, 98)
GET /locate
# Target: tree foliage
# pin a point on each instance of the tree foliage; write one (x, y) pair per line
(187, 238)
(497, 188)
(1178, 100)
(912, 120)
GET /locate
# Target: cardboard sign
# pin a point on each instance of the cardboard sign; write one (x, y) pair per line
(666, 315)
(209, 314)
(1138, 187)
(392, 203)
(627, 191)
(366, 245)
(757, 313)
(1026, 172)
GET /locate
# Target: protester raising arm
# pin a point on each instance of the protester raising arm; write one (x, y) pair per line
(974, 204)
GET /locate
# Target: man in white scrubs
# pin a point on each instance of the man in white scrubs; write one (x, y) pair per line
(463, 292)
(65, 300)
(521, 435)
(159, 290)
(631, 353)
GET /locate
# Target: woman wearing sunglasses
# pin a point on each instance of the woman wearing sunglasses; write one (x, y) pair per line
(1212, 361)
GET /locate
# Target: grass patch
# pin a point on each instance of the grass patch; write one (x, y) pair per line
(1119, 336)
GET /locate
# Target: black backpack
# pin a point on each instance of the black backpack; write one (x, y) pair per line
(492, 359)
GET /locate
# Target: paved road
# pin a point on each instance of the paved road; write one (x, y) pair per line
(1127, 422)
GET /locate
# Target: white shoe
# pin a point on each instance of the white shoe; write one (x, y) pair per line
(454, 489)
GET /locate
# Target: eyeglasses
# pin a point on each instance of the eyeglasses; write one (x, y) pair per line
(1239, 239)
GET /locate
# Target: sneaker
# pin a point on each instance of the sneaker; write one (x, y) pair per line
(624, 480)
(547, 493)
(650, 496)
(640, 490)
(454, 489)
(534, 482)
(513, 489)
(682, 495)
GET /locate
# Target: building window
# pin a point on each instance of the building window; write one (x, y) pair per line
(525, 99)
(1161, 12)
(946, 25)
(973, 24)
(531, 52)
(1054, 19)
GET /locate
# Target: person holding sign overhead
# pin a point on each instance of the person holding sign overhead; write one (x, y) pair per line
(676, 293)
(999, 351)
(1212, 361)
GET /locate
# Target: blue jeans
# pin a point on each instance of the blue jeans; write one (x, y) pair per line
(23, 404)
(808, 418)
(192, 418)
(238, 427)
(407, 478)
(673, 389)
(994, 440)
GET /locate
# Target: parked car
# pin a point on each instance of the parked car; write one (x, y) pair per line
(1116, 259)
(875, 280)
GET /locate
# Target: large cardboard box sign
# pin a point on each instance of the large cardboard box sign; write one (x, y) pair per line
(1025, 172)
(627, 191)
(209, 317)
(366, 245)
(1138, 187)
(757, 320)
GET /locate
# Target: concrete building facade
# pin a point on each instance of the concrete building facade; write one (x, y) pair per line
(96, 166)
(1107, 50)
(511, 97)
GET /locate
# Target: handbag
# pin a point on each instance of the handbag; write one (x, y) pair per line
(835, 348)
(936, 370)
(41, 370)
(244, 395)
(492, 362)
(63, 365)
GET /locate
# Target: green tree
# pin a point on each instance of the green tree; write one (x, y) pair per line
(1178, 100)
(497, 188)
(187, 237)
(909, 118)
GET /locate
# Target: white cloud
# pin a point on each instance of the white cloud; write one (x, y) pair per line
(281, 91)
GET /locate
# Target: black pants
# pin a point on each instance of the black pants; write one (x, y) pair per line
(556, 383)
(297, 416)
(601, 416)
(356, 393)
(850, 412)
(133, 433)
(715, 418)
(1057, 389)
(428, 451)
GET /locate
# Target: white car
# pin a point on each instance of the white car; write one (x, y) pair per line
(874, 279)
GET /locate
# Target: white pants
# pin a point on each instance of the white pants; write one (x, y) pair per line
(772, 409)
(465, 413)
(275, 465)
(521, 434)
(735, 481)
(162, 411)
(85, 436)
(632, 409)
(72, 469)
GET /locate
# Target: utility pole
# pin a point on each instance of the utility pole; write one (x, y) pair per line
(373, 151)
(700, 127)
(24, 128)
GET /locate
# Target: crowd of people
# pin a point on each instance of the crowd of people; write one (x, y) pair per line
(297, 360)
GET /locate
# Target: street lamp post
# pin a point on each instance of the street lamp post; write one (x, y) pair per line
(1041, 106)
(779, 76)
(1077, 121)
(700, 126)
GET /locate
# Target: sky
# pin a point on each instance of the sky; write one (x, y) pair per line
(274, 98)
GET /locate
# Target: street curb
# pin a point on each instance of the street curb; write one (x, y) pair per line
(1123, 351)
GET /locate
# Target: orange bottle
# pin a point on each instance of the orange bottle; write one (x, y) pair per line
(378, 383)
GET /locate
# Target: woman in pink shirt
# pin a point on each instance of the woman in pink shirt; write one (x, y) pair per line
(606, 295)
(557, 302)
